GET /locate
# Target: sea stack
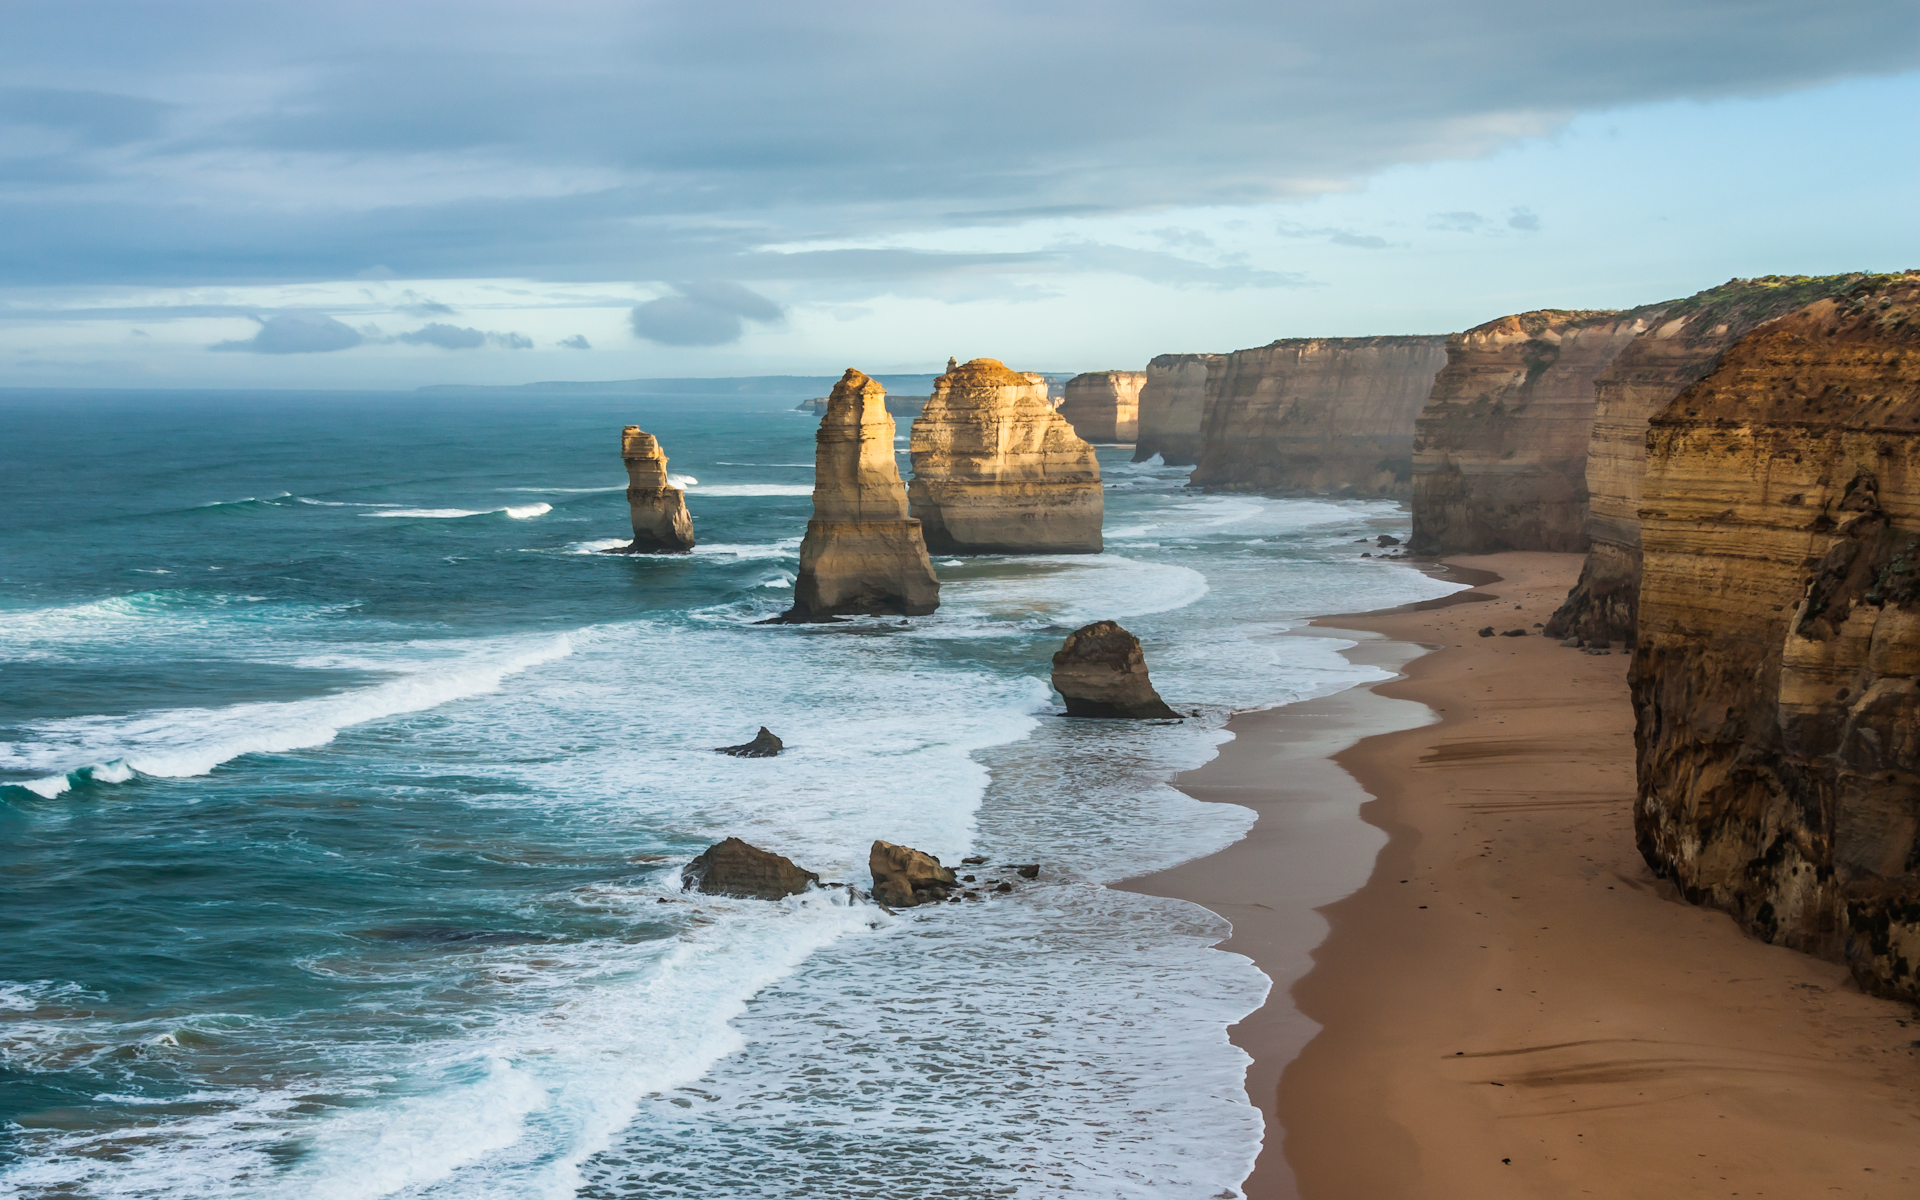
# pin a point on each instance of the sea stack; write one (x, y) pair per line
(1172, 402)
(1101, 672)
(997, 471)
(1680, 348)
(1104, 406)
(1500, 450)
(862, 553)
(1776, 681)
(660, 521)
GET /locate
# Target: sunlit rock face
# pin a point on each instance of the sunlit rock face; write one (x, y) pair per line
(660, 520)
(997, 471)
(1677, 349)
(1775, 676)
(1172, 402)
(1104, 406)
(862, 554)
(1500, 450)
(1316, 416)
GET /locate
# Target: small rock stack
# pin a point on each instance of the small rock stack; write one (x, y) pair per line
(660, 521)
(1101, 672)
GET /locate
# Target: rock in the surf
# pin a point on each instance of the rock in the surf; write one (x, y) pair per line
(764, 745)
(734, 868)
(862, 553)
(660, 521)
(1101, 672)
(904, 877)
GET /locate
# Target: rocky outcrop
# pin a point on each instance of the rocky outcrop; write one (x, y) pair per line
(861, 554)
(997, 471)
(766, 744)
(734, 868)
(660, 520)
(1500, 450)
(1317, 416)
(1776, 679)
(1104, 406)
(1101, 672)
(904, 877)
(1679, 348)
(1172, 402)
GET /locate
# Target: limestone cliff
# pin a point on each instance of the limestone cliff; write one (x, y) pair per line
(1104, 406)
(1500, 450)
(1172, 401)
(861, 554)
(1680, 347)
(660, 520)
(1317, 416)
(997, 471)
(1775, 676)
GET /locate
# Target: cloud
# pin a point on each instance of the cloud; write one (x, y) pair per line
(1338, 237)
(1456, 222)
(577, 342)
(1524, 219)
(459, 337)
(702, 314)
(93, 118)
(296, 333)
(422, 306)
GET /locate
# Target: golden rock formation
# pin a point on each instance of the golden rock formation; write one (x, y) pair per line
(997, 471)
(1100, 671)
(1316, 415)
(1172, 402)
(1677, 350)
(1500, 450)
(1104, 406)
(1776, 679)
(905, 878)
(861, 554)
(660, 520)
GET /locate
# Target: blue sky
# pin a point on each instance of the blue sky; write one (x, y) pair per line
(266, 195)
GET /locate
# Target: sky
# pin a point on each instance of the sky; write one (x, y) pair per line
(360, 195)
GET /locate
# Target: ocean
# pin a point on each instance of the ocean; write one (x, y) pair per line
(344, 789)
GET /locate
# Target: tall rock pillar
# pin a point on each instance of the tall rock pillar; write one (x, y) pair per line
(660, 521)
(1104, 406)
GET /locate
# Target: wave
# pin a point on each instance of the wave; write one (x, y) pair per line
(344, 503)
(183, 742)
(754, 489)
(518, 512)
(615, 487)
(681, 481)
(809, 466)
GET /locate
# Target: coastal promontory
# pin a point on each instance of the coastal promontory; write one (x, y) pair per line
(997, 471)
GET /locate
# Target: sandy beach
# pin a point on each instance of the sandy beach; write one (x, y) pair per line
(1482, 990)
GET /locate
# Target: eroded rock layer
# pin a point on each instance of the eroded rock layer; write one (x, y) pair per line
(997, 471)
(1500, 450)
(1172, 402)
(660, 520)
(1100, 671)
(1104, 406)
(1775, 677)
(1680, 347)
(862, 553)
(1316, 416)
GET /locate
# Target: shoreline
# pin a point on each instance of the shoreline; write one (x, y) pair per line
(1530, 1012)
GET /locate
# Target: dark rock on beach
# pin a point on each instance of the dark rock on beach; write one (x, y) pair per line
(1101, 672)
(764, 745)
(734, 868)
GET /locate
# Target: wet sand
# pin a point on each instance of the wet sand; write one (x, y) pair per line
(1510, 1004)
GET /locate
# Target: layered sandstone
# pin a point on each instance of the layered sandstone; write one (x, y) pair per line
(861, 554)
(905, 878)
(660, 520)
(1500, 450)
(1776, 680)
(1172, 402)
(735, 868)
(997, 471)
(1679, 348)
(1104, 406)
(1316, 416)
(1100, 671)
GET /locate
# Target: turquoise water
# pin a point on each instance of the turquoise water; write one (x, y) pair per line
(346, 787)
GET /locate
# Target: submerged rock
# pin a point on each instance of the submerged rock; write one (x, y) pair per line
(660, 520)
(904, 877)
(1101, 672)
(862, 553)
(734, 868)
(764, 745)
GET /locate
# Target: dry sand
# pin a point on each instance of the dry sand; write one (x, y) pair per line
(1510, 1004)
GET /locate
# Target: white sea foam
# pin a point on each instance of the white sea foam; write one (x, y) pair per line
(612, 487)
(681, 481)
(598, 545)
(518, 512)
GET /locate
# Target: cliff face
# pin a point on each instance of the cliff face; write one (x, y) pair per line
(1172, 402)
(861, 554)
(660, 520)
(1679, 348)
(997, 471)
(1316, 415)
(1500, 450)
(1104, 406)
(1775, 677)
